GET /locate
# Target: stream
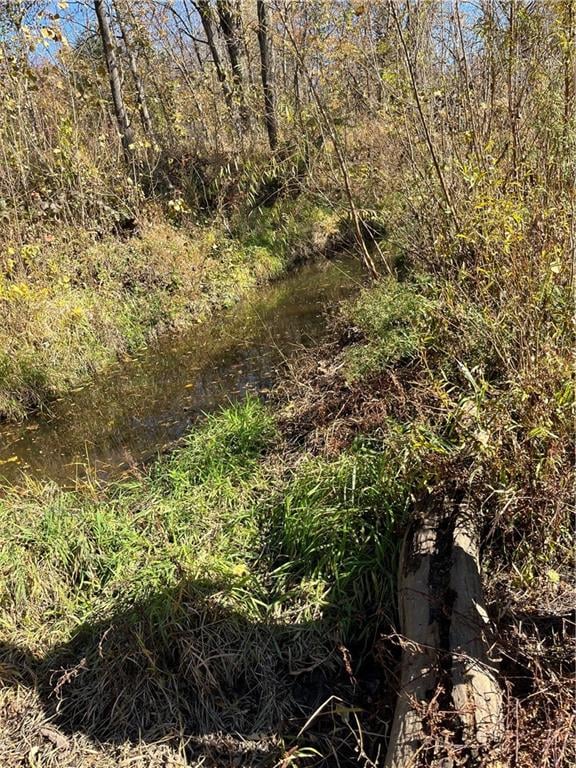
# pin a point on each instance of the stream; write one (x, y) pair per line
(140, 406)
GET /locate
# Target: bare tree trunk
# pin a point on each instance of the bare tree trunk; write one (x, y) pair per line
(138, 82)
(512, 106)
(472, 109)
(420, 110)
(205, 13)
(124, 126)
(267, 73)
(228, 16)
(569, 64)
(420, 654)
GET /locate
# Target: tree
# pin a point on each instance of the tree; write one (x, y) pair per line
(228, 17)
(267, 74)
(143, 110)
(122, 118)
(205, 13)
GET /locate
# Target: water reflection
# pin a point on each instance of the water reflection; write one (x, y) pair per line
(143, 405)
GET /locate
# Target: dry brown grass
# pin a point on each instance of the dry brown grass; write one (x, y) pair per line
(536, 640)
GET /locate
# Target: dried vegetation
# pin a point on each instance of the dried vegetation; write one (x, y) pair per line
(235, 605)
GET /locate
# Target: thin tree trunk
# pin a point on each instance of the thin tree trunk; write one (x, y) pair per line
(267, 73)
(472, 110)
(205, 13)
(122, 118)
(227, 15)
(569, 64)
(138, 82)
(428, 138)
(512, 106)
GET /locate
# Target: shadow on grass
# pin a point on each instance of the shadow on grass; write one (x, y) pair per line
(184, 663)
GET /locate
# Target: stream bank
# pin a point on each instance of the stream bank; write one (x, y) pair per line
(141, 405)
(74, 302)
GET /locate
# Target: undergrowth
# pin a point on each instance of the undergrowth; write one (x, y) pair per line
(216, 592)
(70, 304)
(393, 319)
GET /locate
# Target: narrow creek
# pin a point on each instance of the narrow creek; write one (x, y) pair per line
(142, 405)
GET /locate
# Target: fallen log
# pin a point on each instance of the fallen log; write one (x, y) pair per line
(475, 691)
(449, 707)
(420, 647)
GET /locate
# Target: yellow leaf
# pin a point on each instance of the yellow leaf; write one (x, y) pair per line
(553, 576)
(483, 437)
(10, 460)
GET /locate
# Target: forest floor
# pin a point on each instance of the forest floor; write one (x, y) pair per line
(234, 603)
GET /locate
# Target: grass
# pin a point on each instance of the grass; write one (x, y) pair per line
(394, 320)
(70, 305)
(212, 595)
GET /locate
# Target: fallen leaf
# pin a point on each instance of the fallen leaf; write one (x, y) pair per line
(9, 461)
(55, 737)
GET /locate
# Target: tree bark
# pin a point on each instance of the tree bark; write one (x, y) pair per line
(227, 15)
(267, 74)
(122, 118)
(138, 82)
(449, 700)
(569, 64)
(419, 670)
(475, 692)
(205, 13)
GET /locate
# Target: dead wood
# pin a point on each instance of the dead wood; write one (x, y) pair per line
(445, 649)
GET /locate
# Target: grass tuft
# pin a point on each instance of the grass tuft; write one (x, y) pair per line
(394, 320)
(204, 593)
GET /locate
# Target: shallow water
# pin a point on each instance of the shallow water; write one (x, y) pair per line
(141, 406)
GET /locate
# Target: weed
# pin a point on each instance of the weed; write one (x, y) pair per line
(394, 319)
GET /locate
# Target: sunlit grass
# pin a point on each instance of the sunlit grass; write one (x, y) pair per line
(394, 319)
(222, 543)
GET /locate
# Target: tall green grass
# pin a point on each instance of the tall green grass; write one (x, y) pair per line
(223, 575)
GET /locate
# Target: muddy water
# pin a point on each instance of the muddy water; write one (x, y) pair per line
(143, 405)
